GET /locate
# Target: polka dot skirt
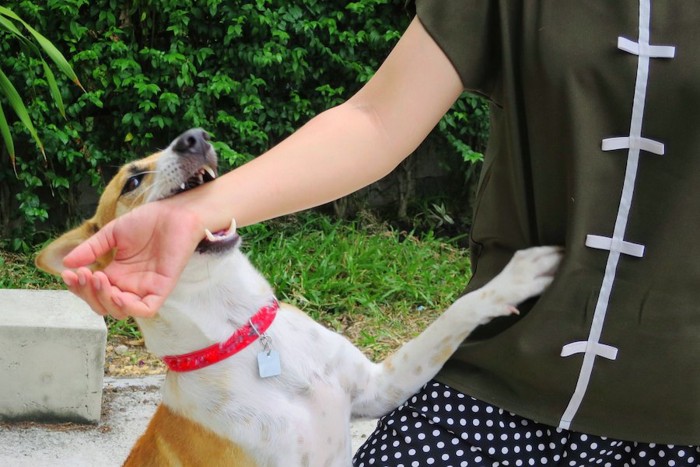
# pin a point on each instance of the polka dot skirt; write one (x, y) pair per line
(442, 427)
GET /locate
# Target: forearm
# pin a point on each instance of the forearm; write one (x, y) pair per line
(342, 149)
(336, 153)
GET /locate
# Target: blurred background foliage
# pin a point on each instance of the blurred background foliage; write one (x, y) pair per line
(249, 72)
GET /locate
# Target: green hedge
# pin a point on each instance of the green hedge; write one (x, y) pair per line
(249, 72)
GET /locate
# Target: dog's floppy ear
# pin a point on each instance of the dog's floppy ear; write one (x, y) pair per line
(50, 258)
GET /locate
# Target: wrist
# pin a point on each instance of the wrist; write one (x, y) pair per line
(194, 223)
(184, 218)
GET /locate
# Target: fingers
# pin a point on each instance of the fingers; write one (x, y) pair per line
(102, 296)
(139, 307)
(107, 295)
(87, 252)
(81, 283)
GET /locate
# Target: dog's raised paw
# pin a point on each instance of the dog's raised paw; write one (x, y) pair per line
(527, 274)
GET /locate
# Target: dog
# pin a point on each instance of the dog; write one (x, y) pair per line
(255, 382)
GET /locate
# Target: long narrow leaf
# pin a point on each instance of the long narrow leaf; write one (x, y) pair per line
(53, 88)
(7, 12)
(55, 55)
(19, 108)
(10, 26)
(51, 50)
(7, 137)
(18, 34)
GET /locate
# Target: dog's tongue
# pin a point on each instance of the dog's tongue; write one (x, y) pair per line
(219, 242)
(222, 235)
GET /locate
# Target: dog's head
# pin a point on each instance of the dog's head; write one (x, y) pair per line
(188, 162)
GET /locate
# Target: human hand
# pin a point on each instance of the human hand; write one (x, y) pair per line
(152, 246)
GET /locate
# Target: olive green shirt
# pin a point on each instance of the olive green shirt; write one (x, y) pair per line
(595, 145)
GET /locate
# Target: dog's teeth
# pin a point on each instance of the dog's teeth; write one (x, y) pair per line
(232, 229)
(182, 187)
(210, 236)
(210, 171)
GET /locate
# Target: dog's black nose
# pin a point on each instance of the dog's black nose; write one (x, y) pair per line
(194, 141)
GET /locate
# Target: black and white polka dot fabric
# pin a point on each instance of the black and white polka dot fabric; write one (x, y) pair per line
(442, 427)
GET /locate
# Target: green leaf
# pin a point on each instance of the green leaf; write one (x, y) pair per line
(19, 108)
(53, 88)
(50, 49)
(7, 137)
(8, 12)
(10, 26)
(56, 56)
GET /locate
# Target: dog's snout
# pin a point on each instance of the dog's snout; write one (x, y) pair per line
(195, 140)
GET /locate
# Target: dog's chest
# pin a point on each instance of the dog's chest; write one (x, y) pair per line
(308, 425)
(304, 413)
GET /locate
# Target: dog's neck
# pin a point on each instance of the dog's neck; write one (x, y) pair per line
(216, 294)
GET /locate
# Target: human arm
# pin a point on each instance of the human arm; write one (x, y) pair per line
(342, 149)
(337, 152)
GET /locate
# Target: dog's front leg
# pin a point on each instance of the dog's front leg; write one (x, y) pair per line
(391, 382)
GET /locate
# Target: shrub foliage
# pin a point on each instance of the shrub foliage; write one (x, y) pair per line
(249, 72)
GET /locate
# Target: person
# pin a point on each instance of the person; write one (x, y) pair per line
(592, 146)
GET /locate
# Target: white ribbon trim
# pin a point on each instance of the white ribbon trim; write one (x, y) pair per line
(633, 142)
(615, 244)
(646, 50)
(602, 350)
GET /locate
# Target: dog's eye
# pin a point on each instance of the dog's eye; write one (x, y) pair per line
(132, 183)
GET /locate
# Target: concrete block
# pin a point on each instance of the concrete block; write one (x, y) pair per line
(52, 351)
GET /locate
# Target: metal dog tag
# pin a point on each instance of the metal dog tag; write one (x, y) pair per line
(269, 363)
(268, 359)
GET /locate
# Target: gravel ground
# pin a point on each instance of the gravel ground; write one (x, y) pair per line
(128, 404)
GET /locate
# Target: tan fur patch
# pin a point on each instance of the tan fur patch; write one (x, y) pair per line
(112, 203)
(443, 354)
(179, 441)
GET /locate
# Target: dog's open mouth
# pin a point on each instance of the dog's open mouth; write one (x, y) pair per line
(204, 174)
(217, 241)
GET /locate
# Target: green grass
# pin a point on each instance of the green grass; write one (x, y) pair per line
(374, 284)
(17, 271)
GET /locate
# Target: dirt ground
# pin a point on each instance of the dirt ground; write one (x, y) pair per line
(129, 357)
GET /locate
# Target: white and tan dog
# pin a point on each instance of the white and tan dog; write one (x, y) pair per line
(254, 383)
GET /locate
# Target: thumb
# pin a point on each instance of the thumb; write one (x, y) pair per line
(87, 252)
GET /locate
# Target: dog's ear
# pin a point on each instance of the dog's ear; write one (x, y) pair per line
(50, 258)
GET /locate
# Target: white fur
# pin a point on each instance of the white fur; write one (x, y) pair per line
(302, 416)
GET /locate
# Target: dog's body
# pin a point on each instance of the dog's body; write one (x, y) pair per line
(226, 413)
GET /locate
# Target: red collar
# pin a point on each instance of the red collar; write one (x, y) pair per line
(240, 339)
